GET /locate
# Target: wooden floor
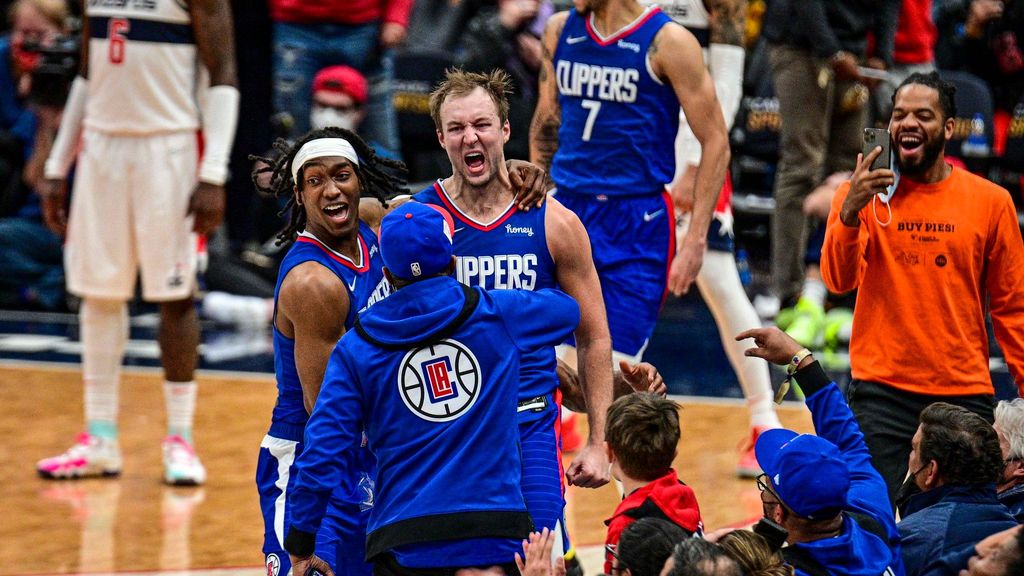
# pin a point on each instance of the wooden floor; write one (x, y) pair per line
(135, 523)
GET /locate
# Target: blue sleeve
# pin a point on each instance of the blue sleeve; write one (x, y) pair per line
(537, 319)
(328, 456)
(834, 421)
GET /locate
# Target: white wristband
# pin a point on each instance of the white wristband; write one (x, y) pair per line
(220, 117)
(62, 154)
(726, 64)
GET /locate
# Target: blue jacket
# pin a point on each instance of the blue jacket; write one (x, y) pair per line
(942, 525)
(1013, 499)
(856, 551)
(432, 374)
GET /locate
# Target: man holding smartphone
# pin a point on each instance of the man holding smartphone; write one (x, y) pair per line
(924, 273)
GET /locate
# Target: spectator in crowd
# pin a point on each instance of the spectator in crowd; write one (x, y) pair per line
(955, 461)
(507, 36)
(1009, 426)
(642, 433)
(31, 270)
(339, 98)
(985, 38)
(698, 557)
(816, 47)
(1001, 554)
(644, 546)
(309, 36)
(913, 51)
(823, 489)
(926, 265)
(754, 554)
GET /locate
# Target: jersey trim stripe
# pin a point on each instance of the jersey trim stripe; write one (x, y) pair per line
(670, 211)
(364, 255)
(443, 195)
(601, 41)
(140, 30)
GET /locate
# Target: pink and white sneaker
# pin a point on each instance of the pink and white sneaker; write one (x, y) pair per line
(181, 464)
(748, 466)
(90, 456)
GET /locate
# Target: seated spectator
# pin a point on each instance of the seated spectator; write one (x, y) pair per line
(31, 270)
(955, 461)
(754, 554)
(1001, 554)
(641, 435)
(1009, 427)
(644, 546)
(823, 489)
(339, 96)
(698, 557)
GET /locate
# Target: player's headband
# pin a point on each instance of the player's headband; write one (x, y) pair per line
(322, 148)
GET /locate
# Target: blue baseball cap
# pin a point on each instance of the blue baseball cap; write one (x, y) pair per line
(416, 240)
(806, 472)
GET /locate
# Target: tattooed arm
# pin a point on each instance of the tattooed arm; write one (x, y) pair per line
(547, 117)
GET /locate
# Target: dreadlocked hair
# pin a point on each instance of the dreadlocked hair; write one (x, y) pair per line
(380, 178)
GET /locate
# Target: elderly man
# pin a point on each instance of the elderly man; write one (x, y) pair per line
(1009, 428)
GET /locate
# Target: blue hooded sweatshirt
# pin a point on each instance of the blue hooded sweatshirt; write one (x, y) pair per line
(432, 374)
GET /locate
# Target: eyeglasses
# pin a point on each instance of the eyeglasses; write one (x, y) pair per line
(610, 548)
(618, 565)
(762, 483)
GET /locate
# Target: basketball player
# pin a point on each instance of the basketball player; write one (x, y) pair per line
(137, 205)
(613, 78)
(718, 26)
(332, 271)
(500, 246)
(432, 374)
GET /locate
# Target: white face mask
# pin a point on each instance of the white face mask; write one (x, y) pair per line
(323, 116)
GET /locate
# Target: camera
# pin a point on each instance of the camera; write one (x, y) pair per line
(56, 69)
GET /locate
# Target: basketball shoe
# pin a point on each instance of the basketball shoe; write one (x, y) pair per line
(90, 456)
(181, 464)
(748, 466)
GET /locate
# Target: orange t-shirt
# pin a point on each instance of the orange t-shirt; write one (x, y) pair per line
(919, 322)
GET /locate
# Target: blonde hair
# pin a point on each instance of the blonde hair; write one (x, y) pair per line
(497, 83)
(754, 555)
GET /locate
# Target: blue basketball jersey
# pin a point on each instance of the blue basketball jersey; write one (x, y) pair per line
(619, 121)
(509, 253)
(364, 281)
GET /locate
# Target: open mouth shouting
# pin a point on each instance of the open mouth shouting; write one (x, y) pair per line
(911, 143)
(337, 212)
(475, 163)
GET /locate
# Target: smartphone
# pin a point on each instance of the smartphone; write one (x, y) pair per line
(775, 535)
(873, 73)
(874, 137)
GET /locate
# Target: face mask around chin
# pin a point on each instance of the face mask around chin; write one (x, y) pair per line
(323, 116)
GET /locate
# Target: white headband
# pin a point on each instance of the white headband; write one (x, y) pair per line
(322, 148)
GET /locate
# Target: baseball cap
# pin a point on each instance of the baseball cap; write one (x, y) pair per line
(806, 472)
(416, 240)
(343, 79)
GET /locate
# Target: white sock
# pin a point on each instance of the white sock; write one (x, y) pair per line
(180, 398)
(104, 333)
(719, 284)
(815, 291)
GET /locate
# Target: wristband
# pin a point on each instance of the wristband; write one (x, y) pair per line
(62, 154)
(220, 117)
(794, 363)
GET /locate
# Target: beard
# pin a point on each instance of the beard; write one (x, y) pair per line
(932, 149)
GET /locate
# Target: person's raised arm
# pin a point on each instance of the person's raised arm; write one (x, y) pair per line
(547, 117)
(311, 309)
(215, 41)
(676, 58)
(574, 269)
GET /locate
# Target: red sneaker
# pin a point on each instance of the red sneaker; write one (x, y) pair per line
(748, 466)
(572, 440)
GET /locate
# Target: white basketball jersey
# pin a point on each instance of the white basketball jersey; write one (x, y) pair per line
(692, 14)
(143, 67)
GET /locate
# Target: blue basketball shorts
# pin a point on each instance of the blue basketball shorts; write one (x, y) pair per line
(633, 242)
(543, 490)
(341, 540)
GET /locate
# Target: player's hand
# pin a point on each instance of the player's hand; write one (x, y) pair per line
(685, 266)
(772, 344)
(590, 468)
(302, 566)
(684, 190)
(536, 558)
(529, 182)
(391, 36)
(207, 205)
(54, 194)
(864, 183)
(643, 377)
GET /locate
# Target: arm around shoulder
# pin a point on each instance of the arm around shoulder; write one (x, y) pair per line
(547, 116)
